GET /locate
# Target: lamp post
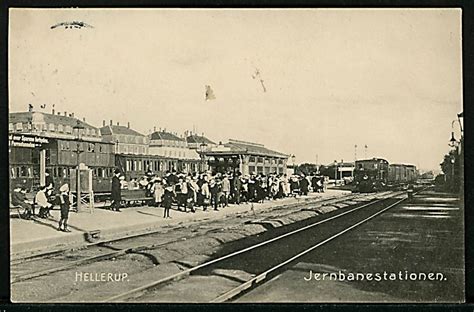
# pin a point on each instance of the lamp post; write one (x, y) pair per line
(202, 148)
(335, 172)
(78, 129)
(293, 161)
(317, 167)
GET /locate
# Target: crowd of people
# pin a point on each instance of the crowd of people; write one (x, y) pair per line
(187, 191)
(213, 191)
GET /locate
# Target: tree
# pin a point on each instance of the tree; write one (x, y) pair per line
(451, 169)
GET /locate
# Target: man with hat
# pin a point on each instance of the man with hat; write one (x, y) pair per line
(214, 190)
(116, 191)
(19, 199)
(225, 190)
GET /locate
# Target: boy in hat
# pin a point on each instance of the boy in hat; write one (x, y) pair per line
(64, 197)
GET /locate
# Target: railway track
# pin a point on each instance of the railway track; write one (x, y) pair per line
(290, 246)
(64, 259)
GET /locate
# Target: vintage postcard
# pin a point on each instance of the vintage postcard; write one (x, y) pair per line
(236, 155)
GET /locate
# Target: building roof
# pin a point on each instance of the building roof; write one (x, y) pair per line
(114, 129)
(344, 164)
(48, 118)
(163, 135)
(402, 165)
(194, 138)
(373, 160)
(242, 147)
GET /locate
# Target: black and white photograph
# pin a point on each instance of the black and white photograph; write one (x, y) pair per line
(236, 155)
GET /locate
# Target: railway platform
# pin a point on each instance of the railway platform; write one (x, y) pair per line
(41, 235)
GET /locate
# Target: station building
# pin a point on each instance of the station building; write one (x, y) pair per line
(125, 139)
(179, 156)
(245, 157)
(54, 143)
(198, 142)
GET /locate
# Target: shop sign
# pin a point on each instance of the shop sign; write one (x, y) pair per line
(20, 140)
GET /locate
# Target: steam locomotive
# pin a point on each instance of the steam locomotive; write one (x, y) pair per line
(371, 175)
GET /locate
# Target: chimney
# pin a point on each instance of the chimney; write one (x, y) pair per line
(154, 129)
(128, 124)
(65, 113)
(52, 111)
(84, 119)
(110, 121)
(72, 114)
(59, 113)
(103, 123)
(118, 124)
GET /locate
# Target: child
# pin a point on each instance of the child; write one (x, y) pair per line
(64, 197)
(167, 200)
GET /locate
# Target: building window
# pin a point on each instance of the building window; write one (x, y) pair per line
(11, 127)
(251, 169)
(91, 147)
(68, 129)
(92, 132)
(60, 128)
(51, 127)
(19, 126)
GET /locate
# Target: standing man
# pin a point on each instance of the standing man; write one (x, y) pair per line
(226, 190)
(116, 191)
(64, 197)
(167, 200)
(214, 189)
(237, 188)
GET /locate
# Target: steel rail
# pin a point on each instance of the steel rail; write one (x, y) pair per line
(186, 272)
(262, 276)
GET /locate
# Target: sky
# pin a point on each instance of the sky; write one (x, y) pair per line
(328, 79)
